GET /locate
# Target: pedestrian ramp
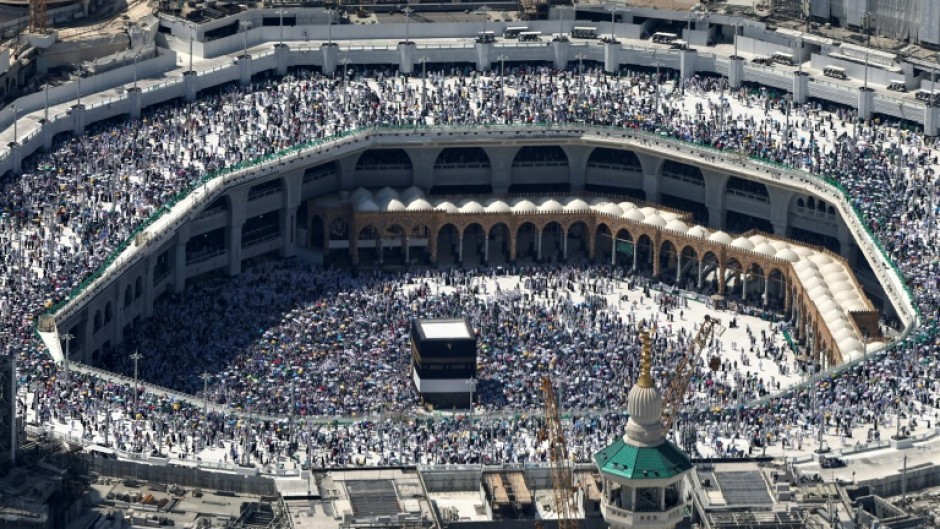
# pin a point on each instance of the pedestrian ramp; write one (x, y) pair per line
(373, 497)
(743, 488)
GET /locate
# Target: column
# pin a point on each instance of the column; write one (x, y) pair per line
(330, 54)
(460, 248)
(651, 187)
(133, 99)
(354, 247)
(800, 88)
(512, 247)
(78, 120)
(735, 72)
(634, 256)
(406, 57)
(281, 54)
(560, 53)
(17, 152)
(191, 82)
(613, 250)
(291, 199)
(47, 135)
(407, 250)
(432, 247)
(117, 317)
(678, 267)
(179, 259)
(612, 57)
(866, 99)
(538, 245)
(288, 234)
(233, 243)
(743, 285)
(233, 232)
(484, 55)
(766, 288)
(244, 70)
(654, 250)
(486, 248)
(721, 278)
(687, 63)
(147, 310)
(564, 245)
(931, 123)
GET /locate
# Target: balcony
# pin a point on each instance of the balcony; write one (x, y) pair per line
(652, 520)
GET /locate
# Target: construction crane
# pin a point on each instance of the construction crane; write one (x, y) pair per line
(679, 385)
(566, 508)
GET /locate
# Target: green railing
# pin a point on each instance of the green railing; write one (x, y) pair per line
(79, 289)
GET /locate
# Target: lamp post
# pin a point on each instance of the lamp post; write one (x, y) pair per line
(68, 337)
(15, 110)
(484, 11)
(45, 110)
(502, 80)
(280, 24)
(613, 15)
(245, 27)
(580, 58)
(561, 23)
(345, 62)
(329, 27)
(205, 376)
(136, 56)
(657, 65)
(136, 358)
(424, 78)
(407, 12)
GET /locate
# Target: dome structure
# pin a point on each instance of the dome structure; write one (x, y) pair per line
(720, 237)
(386, 193)
(359, 194)
(742, 243)
(575, 205)
(677, 225)
(420, 204)
(655, 220)
(697, 231)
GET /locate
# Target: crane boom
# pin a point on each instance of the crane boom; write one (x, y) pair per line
(679, 385)
(566, 508)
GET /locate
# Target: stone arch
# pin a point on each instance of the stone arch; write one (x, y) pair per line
(315, 237)
(527, 237)
(777, 289)
(368, 241)
(734, 271)
(266, 188)
(577, 241)
(384, 167)
(687, 275)
(393, 244)
(128, 296)
(474, 239)
(747, 188)
(603, 244)
(614, 171)
(462, 170)
(552, 242)
(447, 239)
(540, 169)
(709, 275)
(668, 261)
(682, 172)
(754, 282)
(644, 249)
(498, 241)
(625, 248)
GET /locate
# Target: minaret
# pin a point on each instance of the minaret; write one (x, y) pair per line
(643, 471)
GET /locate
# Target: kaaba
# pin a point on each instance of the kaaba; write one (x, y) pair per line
(444, 361)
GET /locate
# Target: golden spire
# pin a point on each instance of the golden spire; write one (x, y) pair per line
(646, 379)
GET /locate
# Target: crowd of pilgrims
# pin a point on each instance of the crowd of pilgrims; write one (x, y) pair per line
(72, 206)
